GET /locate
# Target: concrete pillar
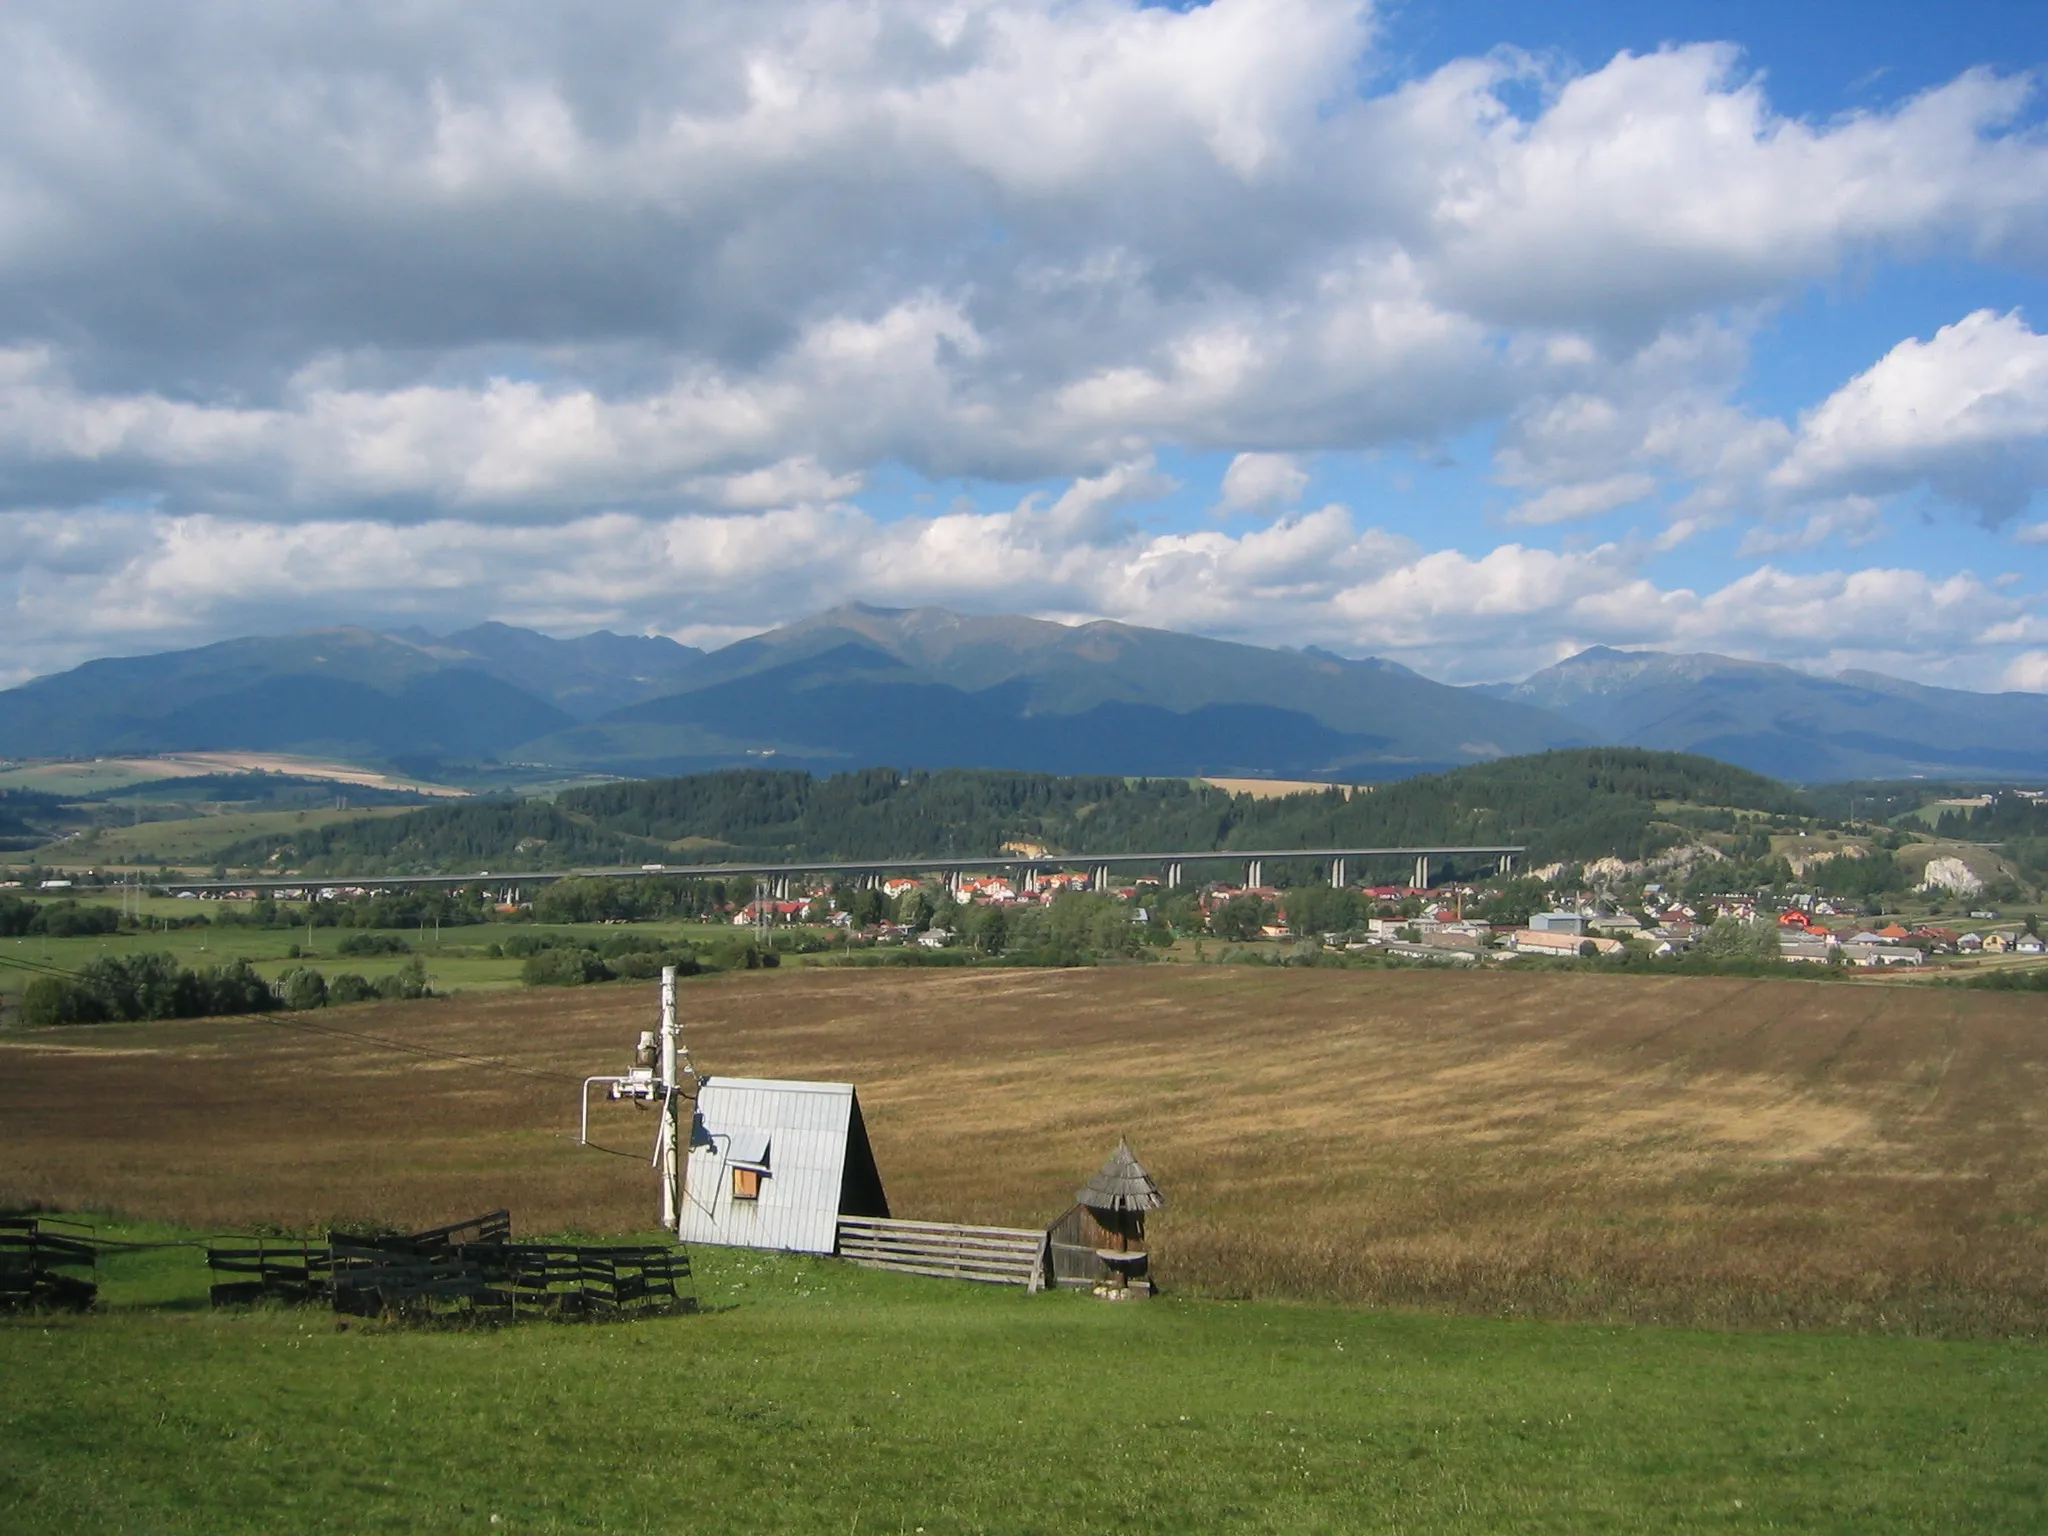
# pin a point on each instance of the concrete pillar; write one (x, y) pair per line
(1422, 872)
(1253, 874)
(1337, 873)
(1102, 877)
(1507, 862)
(1173, 877)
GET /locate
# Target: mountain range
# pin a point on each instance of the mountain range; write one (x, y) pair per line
(1790, 724)
(930, 688)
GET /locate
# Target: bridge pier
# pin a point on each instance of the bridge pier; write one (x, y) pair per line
(1254, 875)
(1102, 877)
(1507, 863)
(1337, 873)
(1422, 872)
(1173, 877)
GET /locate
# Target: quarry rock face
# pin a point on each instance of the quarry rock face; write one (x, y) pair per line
(1950, 874)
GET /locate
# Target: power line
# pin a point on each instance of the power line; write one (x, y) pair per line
(38, 967)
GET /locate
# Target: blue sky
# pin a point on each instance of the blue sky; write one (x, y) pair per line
(1466, 334)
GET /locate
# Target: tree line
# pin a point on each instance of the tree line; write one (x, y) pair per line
(1569, 806)
(146, 987)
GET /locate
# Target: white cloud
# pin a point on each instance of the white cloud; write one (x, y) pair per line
(1854, 520)
(1965, 412)
(575, 316)
(2028, 672)
(1663, 184)
(650, 251)
(1261, 482)
(143, 580)
(1572, 503)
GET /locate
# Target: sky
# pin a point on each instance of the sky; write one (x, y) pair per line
(1464, 334)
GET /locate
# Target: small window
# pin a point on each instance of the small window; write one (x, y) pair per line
(746, 1183)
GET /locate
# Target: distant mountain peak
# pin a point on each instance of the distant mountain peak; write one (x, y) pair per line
(1792, 724)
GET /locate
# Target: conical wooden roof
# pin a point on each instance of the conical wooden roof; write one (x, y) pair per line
(1122, 1185)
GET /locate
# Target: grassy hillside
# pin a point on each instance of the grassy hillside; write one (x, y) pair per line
(1563, 805)
(204, 838)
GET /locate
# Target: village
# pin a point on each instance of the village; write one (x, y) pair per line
(1431, 924)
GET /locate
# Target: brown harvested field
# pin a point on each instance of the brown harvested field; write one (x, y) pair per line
(1722, 1151)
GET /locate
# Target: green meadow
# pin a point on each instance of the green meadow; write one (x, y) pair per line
(811, 1396)
(457, 959)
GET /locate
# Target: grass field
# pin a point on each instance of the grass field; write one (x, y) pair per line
(1760, 1154)
(195, 840)
(456, 959)
(1792, 1159)
(85, 776)
(813, 1397)
(91, 776)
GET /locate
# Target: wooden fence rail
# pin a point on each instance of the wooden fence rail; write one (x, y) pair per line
(466, 1268)
(995, 1255)
(46, 1263)
(257, 1268)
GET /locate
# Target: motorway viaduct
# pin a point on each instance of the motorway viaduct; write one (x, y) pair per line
(1172, 868)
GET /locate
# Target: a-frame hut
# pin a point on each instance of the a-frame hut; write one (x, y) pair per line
(776, 1164)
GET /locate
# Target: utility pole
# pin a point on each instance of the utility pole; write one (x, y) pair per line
(659, 1066)
(673, 1147)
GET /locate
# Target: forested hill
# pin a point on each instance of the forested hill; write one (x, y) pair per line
(1571, 805)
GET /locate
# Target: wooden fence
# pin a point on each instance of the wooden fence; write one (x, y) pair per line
(279, 1269)
(468, 1268)
(374, 1277)
(996, 1255)
(45, 1263)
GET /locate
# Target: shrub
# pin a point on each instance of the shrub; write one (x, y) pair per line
(301, 988)
(52, 1000)
(408, 981)
(372, 944)
(1733, 940)
(638, 965)
(348, 987)
(145, 986)
(563, 968)
(234, 988)
(72, 919)
(1240, 918)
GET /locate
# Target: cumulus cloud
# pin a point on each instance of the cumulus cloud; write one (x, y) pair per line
(139, 580)
(579, 317)
(475, 255)
(1260, 482)
(2028, 672)
(1965, 412)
